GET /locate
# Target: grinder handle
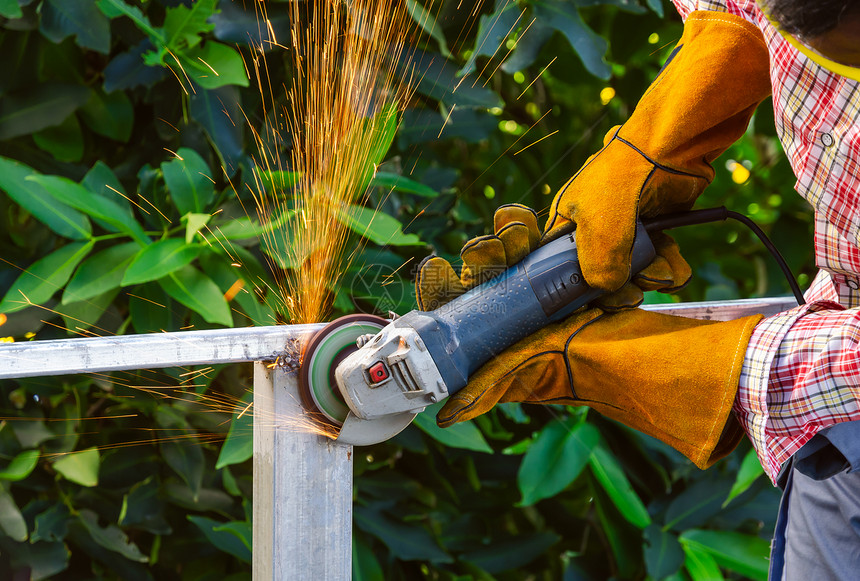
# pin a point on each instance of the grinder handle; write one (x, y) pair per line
(545, 287)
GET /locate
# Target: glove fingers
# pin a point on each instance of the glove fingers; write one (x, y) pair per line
(483, 258)
(436, 283)
(668, 272)
(517, 240)
(518, 214)
(628, 297)
(517, 228)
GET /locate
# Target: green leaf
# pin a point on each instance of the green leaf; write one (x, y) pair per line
(218, 110)
(223, 540)
(403, 184)
(700, 564)
(406, 541)
(438, 79)
(277, 181)
(109, 114)
(99, 273)
(213, 65)
(181, 450)
(101, 180)
(245, 228)
(697, 503)
(11, 520)
(463, 435)
(196, 291)
(744, 554)
(80, 198)
(51, 525)
(555, 459)
(81, 315)
(240, 529)
(64, 141)
(110, 537)
(589, 46)
(32, 433)
(656, 6)
(750, 470)
(61, 18)
(193, 224)
(506, 554)
(183, 26)
(663, 553)
(45, 277)
(144, 508)
(365, 567)
(223, 272)
(114, 8)
(127, 70)
(151, 309)
(528, 47)
(80, 467)
(45, 105)
(425, 126)
(609, 473)
(376, 135)
(20, 466)
(189, 181)
(378, 227)
(40, 560)
(10, 9)
(239, 445)
(160, 259)
(493, 29)
(424, 19)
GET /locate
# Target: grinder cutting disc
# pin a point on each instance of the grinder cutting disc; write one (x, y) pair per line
(328, 347)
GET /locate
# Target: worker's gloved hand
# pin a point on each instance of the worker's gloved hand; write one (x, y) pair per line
(659, 161)
(669, 377)
(516, 234)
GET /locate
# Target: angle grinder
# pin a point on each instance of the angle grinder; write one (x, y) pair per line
(369, 377)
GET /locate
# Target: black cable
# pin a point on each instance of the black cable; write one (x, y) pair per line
(669, 221)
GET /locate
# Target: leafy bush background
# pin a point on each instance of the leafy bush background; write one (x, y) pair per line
(90, 115)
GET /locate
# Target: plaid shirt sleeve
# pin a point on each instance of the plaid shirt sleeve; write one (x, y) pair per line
(801, 374)
(743, 8)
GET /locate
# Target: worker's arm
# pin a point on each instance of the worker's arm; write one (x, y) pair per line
(659, 161)
(800, 374)
(670, 377)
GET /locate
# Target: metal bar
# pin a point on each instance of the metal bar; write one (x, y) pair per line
(726, 310)
(149, 351)
(155, 350)
(302, 489)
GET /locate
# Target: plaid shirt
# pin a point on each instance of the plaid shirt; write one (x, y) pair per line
(802, 368)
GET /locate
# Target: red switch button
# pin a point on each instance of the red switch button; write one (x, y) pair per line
(377, 372)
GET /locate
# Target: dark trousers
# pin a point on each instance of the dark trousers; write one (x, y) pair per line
(817, 536)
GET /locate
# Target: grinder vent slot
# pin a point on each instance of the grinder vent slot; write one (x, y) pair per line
(405, 378)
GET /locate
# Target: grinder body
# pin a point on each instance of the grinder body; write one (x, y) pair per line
(423, 357)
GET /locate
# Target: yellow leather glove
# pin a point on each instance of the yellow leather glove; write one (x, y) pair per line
(659, 161)
(670, 377)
